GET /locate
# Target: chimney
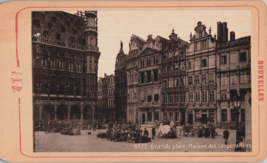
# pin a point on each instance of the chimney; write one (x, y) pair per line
(219, 31)
(224, 33)
(232, 36)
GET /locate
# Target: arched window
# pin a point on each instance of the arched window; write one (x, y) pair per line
(78, 86)
(52, 60)
(71, 63)
(44, 83)
(53, 86)
(60, 61)
(44, 59)
(61, 86)
(71, 86)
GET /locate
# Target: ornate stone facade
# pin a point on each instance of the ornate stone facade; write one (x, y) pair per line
(105, 99)
(65, 63)
(173, 79)
(120, 85)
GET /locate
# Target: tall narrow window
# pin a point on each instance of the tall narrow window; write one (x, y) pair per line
(176, 97)
(155, 72)
(223, 60)
(197, 96)
(211, 95)
(233, 79)
(190, 80)
(223, 95)
(191, 96)
(204, 96)
(203, 63)
(224, 115)
(196, 79)
(182, 97)
(243, 57)
(211, 78)
(203, 79)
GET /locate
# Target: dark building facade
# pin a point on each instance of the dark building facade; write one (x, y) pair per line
(197, 80)
(173, 79)
(65, 64)
(105, 98)
(121, 85)
(135, 46)
(200, 80)
(233, 75)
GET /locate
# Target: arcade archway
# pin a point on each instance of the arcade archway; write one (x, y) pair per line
(36, 113)
(75, 112)
(62, 112)
(87, 113)
(48, 113)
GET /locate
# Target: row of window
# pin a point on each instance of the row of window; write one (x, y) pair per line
(244, 78)
(149, 98)
(197, 96)
(153, 60)
(55, 63)
(201, 45)
(149, 76)
(111, 103)
(233, 92)
(233, 58)
(233, 115)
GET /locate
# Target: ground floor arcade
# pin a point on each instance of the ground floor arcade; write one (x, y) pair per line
(63, 112)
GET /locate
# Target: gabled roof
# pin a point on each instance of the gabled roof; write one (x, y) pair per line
(134, 36)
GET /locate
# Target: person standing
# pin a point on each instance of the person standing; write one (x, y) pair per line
(153, 132)
(226, 135)
(212, 130)
(146, 132)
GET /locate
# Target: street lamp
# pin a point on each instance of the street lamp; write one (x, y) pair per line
(236, 104)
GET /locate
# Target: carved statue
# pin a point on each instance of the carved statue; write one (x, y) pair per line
(121, 45)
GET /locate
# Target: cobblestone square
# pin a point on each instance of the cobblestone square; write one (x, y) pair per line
(56, 142)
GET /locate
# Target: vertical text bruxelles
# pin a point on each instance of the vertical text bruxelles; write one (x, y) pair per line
(260, 81)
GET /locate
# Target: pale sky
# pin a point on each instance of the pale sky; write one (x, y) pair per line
(114, 26)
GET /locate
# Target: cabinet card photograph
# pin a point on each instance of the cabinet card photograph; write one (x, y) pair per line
(150, 81)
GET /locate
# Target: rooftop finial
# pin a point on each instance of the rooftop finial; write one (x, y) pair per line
(210, 30)
(121, 45)
(172, 30)
(190, 35)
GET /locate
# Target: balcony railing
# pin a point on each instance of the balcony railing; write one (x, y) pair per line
(62, 43)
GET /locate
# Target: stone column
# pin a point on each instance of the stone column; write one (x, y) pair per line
(82, 114)
(145, 116)
(208, 113)
(68, 112)
(153, 118)
(40, 112)
(180, 116)
(194, 116)
(219, 114)
(228, 114)
(55, 112)
(173, 115)
(186, 116)
(168, 115)
(248, 119)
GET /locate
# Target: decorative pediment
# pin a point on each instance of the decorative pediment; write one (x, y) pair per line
(200, 27)
(147, 51)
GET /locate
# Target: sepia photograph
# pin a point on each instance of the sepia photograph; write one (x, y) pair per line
(141, 81)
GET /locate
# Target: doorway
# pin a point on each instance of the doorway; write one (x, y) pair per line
(143, 118)
(204, 118)
(183, 118)
(190, 118)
